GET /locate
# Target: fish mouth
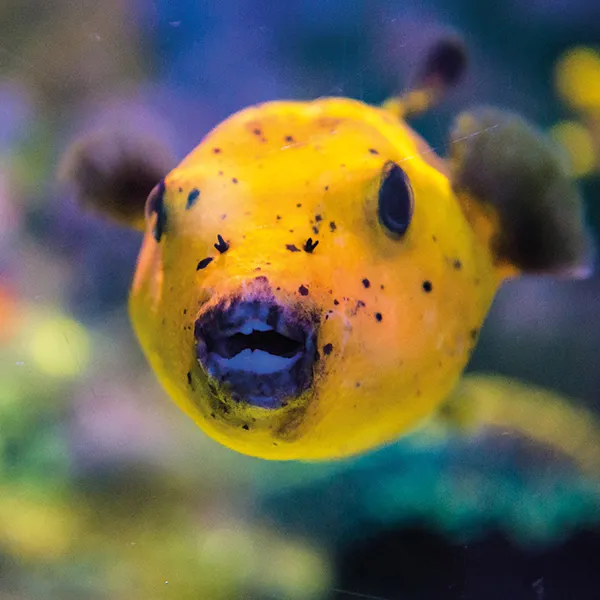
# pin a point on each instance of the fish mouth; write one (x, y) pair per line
(260, 352)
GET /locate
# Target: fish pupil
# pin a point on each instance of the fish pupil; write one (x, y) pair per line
(395, 200)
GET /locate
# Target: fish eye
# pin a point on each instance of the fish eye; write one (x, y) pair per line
(155, 205)
(395, 200)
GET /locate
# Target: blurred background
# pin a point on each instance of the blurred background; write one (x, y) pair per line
(107, 491)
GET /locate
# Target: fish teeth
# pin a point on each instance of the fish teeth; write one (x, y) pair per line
(254, 325)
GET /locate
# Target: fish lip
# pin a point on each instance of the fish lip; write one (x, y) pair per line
(289, 368)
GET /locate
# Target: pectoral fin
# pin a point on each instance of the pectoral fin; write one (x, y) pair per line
(501, 162)
(113, 172)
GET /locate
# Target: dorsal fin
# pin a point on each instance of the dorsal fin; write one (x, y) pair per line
(443, 67)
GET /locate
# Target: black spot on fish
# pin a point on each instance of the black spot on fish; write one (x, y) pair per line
(298, 205)
(336, 302)
(315, 230)
(204, 263)
(332, 226)
(216, 150)
(457, 264)
(289, 138)
(434, 238)
(234, 180)
(318, 218)
(292, 248)
(382, 287)
(220, 172)
(278, 217)
(257, 131)
(366, 283)
(373, 151)
(180, 190)
(189, 378)
(427, 286)
(245, 427)
(327, 348)
(222, 246)
(358, 384)
(185, 311)
(303, 290)
(309, 246)
(359, 304)
(378, 316)
(474, 333)
(326, 187)
(192, 198)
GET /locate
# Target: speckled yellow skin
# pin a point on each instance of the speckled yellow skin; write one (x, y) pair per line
(264, 175)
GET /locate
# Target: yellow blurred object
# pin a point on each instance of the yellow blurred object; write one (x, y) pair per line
(236, 552)
(297, 572)
(34, 529)
(483, 401)
(60, 347)
(578, 78)
(578, 143)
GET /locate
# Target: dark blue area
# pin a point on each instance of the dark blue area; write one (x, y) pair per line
(192, 198)
(156, 205)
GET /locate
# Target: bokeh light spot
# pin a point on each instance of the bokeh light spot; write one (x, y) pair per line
(60, 347)
(578, 144)
(578, 78)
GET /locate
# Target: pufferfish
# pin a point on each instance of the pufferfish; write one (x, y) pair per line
(313, 276)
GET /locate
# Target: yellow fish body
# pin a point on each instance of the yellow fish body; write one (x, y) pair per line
(313, 277)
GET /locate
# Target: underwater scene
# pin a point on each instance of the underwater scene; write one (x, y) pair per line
(299, 300)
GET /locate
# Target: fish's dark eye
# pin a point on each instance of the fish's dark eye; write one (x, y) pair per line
(155, 205)
(395, 200)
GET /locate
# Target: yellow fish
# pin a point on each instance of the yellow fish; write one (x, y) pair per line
(313, 276)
